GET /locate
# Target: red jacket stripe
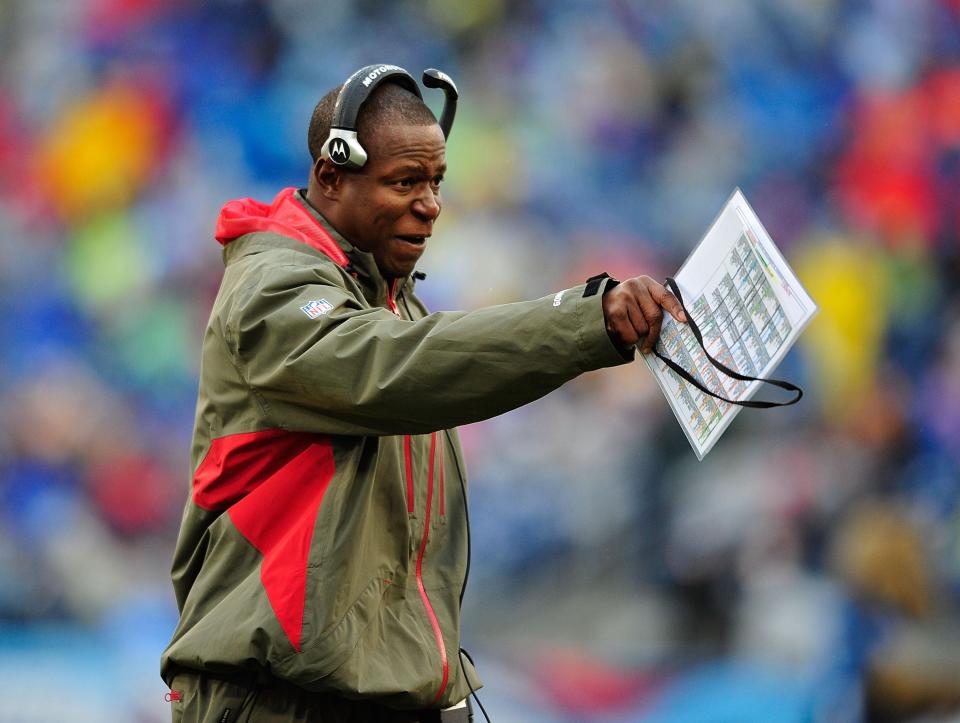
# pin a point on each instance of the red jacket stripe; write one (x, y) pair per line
(272, 484)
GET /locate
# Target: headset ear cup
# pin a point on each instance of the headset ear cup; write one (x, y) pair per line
(342, 148)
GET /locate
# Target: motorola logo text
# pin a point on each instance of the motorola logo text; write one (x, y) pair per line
(377, 72)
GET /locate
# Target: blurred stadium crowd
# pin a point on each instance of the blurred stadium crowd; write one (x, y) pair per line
(807, 570)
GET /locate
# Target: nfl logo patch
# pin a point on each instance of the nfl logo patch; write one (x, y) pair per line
(313, 309)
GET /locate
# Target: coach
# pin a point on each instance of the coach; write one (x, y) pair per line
(324, 548)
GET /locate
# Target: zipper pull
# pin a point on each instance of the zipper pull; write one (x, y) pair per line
(391, 301)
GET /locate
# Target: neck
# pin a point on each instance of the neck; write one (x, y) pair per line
(322, 206)
(329, 210)
(316, 199)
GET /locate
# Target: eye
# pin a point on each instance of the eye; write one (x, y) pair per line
(437, 180)
(405, 182)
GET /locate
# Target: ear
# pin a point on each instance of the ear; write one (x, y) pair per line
(328, 178)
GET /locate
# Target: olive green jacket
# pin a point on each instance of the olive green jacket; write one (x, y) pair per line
(325, 538)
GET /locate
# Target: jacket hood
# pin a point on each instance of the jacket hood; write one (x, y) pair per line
(285, 216)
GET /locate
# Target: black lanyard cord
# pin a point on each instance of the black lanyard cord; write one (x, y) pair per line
(672, 285)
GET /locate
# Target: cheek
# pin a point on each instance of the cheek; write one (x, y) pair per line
(387, 213)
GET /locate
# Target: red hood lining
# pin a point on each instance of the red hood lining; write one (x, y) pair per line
(285, 216)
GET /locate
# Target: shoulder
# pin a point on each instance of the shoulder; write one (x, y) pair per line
(268, 260)
(270, 265)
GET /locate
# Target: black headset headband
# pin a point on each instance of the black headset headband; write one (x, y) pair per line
(342, 146)
(360, 85)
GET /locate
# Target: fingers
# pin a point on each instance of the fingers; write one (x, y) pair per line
(655, 321)
(668, 301)
(625, 322)
(634, 311)
(638, 324)
(653, 315)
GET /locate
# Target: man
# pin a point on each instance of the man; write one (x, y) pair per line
(323, 553)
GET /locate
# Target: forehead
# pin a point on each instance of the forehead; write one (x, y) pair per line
(397, 144)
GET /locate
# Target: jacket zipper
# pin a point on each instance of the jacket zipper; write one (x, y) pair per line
(408, 462)
(391, 300)
(440, 493)
(431, 615)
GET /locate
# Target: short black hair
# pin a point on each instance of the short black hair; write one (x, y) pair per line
(389, 103)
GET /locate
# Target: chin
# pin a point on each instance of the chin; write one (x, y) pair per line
(400, 268)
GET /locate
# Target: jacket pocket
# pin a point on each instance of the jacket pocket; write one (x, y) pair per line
(320, 655)
(396, 660)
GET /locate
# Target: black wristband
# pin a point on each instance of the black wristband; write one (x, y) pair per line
(594, 283)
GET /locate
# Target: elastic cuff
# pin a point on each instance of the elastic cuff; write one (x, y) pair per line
(593, 284)
(599, 349)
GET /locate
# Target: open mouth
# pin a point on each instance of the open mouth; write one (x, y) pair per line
(415, 239)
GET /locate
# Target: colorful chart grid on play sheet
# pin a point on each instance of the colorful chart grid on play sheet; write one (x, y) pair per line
(750, 309)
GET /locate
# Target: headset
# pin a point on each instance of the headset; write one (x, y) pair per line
(342, 147)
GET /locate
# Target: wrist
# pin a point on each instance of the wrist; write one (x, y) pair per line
(606, 282)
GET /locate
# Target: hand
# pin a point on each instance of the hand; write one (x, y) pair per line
(633, 310)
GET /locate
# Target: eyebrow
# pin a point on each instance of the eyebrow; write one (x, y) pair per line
(415, 169)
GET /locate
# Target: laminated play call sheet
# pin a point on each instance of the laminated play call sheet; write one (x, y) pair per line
(750, 309)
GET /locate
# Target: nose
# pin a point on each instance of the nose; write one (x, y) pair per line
(426, 206)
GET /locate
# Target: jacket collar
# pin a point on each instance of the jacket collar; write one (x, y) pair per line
(284, 216)
(294, 218)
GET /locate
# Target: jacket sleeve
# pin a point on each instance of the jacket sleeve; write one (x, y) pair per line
(320, 360)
